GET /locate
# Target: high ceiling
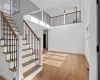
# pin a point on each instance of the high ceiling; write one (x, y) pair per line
(46, 4)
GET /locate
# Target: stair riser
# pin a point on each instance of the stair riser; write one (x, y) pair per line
(2, 42)
(28, 58)
(5, 49)
(30, 66)
(8, 56)
(33, 74)
(9, 37)
(12, 64)
(27, 52)
(25, 46)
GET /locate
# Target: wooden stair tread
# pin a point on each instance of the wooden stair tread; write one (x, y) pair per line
(14, 30)
(1, 78)
(28, 62)
(27, 49)
(13, 69)
(9, 52)
(30, 71)
(7, 39)
(23, 39)
(13, 26)
(8, 34)
(8, 16)
(27, 55)
(9, 19)
(26, 44)
(7, 45)
(11, 60)
(12, 23)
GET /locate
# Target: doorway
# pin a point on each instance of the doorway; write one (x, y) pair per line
(45, 41)
(98, 47)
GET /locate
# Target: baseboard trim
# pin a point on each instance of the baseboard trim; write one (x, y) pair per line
(5, 77)
(66, 52)
(87, 61)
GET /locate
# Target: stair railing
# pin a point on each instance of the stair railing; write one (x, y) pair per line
(11, 6)
(32, 39)
(9, 36)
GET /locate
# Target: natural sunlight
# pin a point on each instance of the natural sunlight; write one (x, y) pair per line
(54, 59)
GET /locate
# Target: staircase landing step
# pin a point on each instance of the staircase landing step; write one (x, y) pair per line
(28, 62)
(30, 71)
(27, 49)
(11, 60)
(27, 55)
(9, 52)
(13, 69)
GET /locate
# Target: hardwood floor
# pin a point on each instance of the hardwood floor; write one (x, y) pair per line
(1, 78)
(73, 67)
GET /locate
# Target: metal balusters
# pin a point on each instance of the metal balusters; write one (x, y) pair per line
(4, 33)
(26, 35)
(1, 27)
(24, 31)
(34, 47)
(29, 38)
(37, 49)
(13, 6)
(14, 53)
(16, 50)
(10, 44)
(7, 39)
(33, 40)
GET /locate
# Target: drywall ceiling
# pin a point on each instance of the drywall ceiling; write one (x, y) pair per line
(46, 4)
(59, 10)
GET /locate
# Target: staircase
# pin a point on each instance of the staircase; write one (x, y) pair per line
(30, 51)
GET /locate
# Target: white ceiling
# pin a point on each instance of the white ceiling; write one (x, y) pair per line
(46, 4)
(59, 10)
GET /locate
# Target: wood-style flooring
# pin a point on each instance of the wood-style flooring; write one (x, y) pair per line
(60, 67)
(1, 78)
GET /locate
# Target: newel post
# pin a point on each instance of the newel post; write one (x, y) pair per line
(40, 52)
(19, 59)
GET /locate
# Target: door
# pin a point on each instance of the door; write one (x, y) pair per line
(44, 40)
(98, 47)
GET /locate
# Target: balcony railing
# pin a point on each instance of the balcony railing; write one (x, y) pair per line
(11, 6)
(69, 16)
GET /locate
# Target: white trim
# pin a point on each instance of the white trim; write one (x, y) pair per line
(5, 77)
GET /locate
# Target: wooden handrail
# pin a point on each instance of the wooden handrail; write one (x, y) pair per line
(13, 32)
(31, 30)
(65, 14)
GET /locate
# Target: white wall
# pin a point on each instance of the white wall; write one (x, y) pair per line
(67, 38)
(1, 4)
(89, 17)
(4, 67)
(93, 41)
